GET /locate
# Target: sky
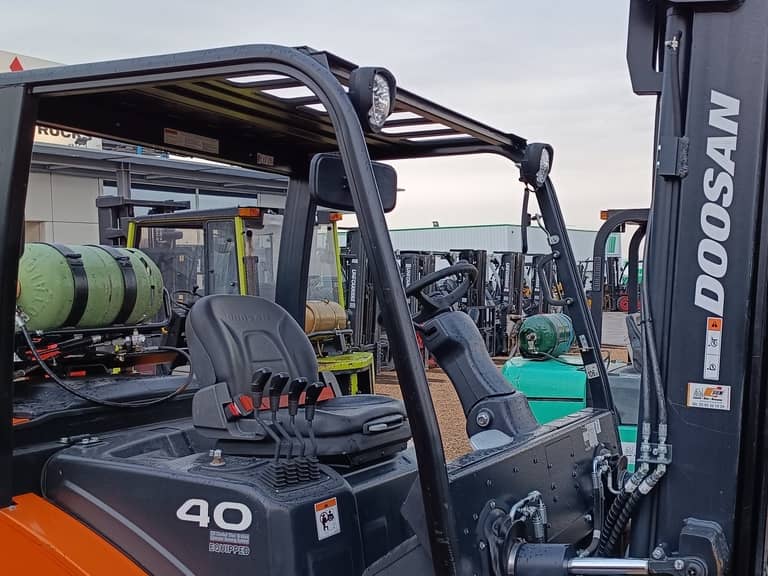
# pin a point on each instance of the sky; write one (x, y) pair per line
(550, 71)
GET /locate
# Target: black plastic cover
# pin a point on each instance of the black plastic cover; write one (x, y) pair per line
(135, 488)
(455, 342)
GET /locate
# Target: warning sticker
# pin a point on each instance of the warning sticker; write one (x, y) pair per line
(191, 141)
(592, 371)
(710, 396)
(590, 435)
(327, 518)
(712, 348)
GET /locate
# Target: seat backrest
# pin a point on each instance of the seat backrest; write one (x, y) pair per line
(231, 336)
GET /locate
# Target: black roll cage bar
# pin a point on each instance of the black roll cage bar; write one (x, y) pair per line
(130, 100)
(616, 220)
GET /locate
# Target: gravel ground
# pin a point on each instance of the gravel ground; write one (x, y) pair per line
(449, 413)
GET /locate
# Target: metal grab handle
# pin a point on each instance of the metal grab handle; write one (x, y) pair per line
(546, 289)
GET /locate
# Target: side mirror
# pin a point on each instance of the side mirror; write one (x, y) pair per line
(329, 186)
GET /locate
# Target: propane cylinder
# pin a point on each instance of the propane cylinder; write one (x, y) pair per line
(545, 335)
(324, 315)
(87, 286)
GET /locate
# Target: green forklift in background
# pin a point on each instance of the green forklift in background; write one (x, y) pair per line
(553, 379)
(235, 251)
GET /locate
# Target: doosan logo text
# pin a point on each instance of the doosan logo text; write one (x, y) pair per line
(715, 220)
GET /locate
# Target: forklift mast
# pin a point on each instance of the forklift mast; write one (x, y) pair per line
(706, 266)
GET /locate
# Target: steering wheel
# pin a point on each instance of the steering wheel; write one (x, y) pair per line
(433, 304)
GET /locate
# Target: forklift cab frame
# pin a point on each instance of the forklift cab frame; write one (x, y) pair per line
(246, 273)
(224, 105)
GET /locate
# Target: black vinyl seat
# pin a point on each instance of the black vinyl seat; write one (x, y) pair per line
(230, 337)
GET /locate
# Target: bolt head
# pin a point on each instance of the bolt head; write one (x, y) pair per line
(679, 564)
(483, 418)
(658, 553)
(482, 545)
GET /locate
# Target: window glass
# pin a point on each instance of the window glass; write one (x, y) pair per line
(178, 252)
(222, 258)
(262, 248)
(323, 282)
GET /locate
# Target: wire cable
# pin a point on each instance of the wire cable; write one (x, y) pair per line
(109, 403)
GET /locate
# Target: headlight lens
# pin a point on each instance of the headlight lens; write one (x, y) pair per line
(381, 102)
(544, 165)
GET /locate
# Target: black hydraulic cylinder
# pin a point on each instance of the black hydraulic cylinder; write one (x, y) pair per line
(539, 559)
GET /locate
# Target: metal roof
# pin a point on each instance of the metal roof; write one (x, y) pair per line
(240, 105)
(154, 171)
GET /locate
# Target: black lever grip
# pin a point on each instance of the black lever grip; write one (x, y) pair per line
(294, 394)
(277, 384)
(260, 379)
(313, 393)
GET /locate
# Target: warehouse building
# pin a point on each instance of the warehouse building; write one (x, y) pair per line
(65, 182)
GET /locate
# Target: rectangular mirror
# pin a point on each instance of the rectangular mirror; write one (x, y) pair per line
(328, 182)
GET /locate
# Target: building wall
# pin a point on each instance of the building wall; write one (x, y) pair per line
(62, 209)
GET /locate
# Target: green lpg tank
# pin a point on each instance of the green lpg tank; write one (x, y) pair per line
(545, 336)
(87, 286)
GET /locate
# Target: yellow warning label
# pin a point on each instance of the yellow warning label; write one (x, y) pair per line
(715, 324)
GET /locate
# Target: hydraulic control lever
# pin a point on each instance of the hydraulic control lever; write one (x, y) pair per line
(258, 382)
(310, 403)
(295, 390)
(277, 384)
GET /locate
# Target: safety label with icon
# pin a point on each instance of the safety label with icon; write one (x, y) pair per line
(712, 348)
(327, 518)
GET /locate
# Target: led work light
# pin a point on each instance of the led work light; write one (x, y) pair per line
(536, 164)
(372, 91)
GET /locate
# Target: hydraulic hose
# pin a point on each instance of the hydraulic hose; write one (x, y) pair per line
(101, 402)
(598, 497)
(642, 483)
(672, 73)
(610, 521)
(524, 222)
(621, 522)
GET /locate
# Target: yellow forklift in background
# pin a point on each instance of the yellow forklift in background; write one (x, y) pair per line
(235, 251)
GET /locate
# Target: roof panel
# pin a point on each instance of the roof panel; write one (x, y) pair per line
(229, 105)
